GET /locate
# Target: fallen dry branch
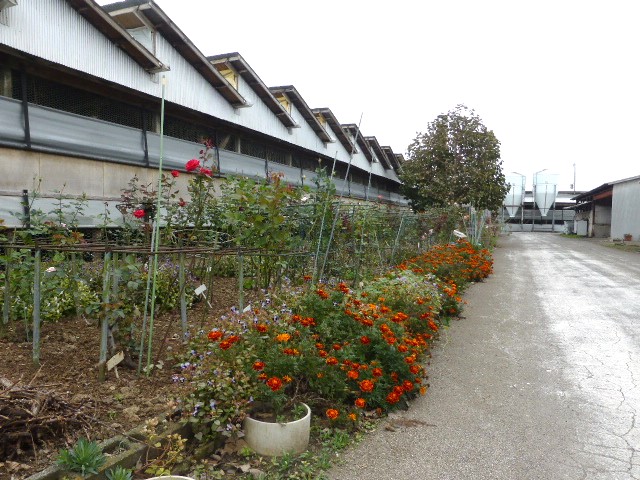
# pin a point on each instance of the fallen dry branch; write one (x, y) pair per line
(30, 415)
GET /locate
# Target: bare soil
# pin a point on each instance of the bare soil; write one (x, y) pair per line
(68, 372)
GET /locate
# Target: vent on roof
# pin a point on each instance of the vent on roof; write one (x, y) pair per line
(145, 37)
(284, 101)
(228, 73)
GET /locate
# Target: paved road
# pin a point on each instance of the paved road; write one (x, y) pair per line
(541, 380)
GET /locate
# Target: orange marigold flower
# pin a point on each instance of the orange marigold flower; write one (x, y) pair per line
(332, 361)
(274, 383)
(332, 414)
(320, 375)
(353, 374)
(399, 317)
(365, 340)
(214, 335)
(366, 385)
(296, 318)
(360, 402)
(307, 278)
(402, 348)
(407, 386)
(322, 294)
(319, 346)
(262, 376)
(377, 372)
(322, 353)
(394, 376)
(392, 398)
(353, 417)
(287, 379)
(258, 366)
(291, 351)
(423, 390)
(262, 328)
(337, 346)
(226, 345)
(308, 322)
(410, 359)
(433, 326)
(384, 309)
(283, 337)
(414, 369)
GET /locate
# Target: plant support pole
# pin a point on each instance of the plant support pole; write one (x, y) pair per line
(7, 296)
(156, 236)
(104, 325)
(183, 297)
(36, 307)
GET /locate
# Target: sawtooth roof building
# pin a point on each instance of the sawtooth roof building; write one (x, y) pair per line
(81, 89)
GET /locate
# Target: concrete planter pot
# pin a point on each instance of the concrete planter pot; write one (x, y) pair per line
(273, 438)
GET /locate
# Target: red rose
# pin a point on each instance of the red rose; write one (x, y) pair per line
(206, 172)
(175, 173)
(192, 164)
(139, 213)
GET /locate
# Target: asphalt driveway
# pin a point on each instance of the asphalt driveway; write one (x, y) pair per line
(541, 380)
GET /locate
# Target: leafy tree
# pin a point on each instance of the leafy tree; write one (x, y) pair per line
(457, 160)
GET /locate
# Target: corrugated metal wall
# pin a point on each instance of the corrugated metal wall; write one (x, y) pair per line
(64, 36)
(625, 216)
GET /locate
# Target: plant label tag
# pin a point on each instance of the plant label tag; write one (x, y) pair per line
(246, 309)
(115, 360)
(201, 289)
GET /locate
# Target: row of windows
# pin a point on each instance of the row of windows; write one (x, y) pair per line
(47, 93)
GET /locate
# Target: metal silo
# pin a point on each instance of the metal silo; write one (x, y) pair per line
(545, 190)
(514, 198)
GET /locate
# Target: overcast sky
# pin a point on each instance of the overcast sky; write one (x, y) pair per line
(557, 81)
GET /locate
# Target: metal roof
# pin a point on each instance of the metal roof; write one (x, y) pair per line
(240, 65)
(390, 156)
(354, 130)
(624, 180)
(178, 40)
(97, 16)
(304, 110)
(337, 129)
(377, 149)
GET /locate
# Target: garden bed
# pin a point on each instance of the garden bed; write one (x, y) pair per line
(69, 372)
